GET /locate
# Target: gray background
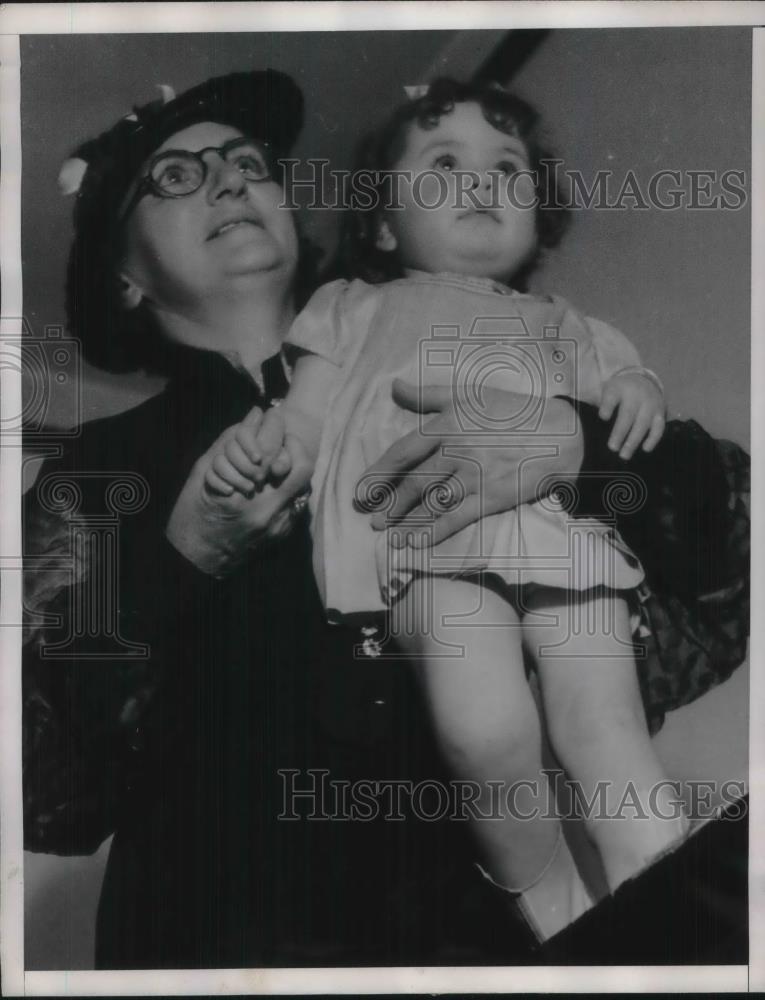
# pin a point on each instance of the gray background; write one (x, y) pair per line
(677, 283)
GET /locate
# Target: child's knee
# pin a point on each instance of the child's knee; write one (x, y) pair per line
(494, 748)
(588, 719)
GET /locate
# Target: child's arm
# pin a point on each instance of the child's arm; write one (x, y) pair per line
(322, 333)
(629, 389)
(236, 460)
(305, 406)
(641, 411)
(258, 448)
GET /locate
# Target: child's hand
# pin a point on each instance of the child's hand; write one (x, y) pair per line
(641, 412)
(217, 531)
(247, 454)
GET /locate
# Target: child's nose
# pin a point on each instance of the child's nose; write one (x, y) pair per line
(482, 179)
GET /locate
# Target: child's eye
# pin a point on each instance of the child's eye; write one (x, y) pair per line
(445, 162)
(507, 167)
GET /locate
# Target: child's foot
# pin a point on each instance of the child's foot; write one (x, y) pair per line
(553, 899)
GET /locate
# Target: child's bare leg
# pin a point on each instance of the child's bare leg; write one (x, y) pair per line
(597, 727)
(488, 726)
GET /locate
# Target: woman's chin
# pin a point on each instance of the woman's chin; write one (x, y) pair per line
(258, 259)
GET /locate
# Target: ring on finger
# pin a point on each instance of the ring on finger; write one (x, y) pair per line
(300, 502)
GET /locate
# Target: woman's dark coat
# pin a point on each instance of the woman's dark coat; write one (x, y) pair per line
(182, 723)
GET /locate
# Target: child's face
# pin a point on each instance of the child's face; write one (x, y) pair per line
(491, 243)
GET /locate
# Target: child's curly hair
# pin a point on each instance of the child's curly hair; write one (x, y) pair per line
(359, 257)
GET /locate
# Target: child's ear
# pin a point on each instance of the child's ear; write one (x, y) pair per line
(385, 239)
(130, 294)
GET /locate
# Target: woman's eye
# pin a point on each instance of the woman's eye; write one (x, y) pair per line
(446, 162)
(174, 174)
(251, 165)
(247, 163)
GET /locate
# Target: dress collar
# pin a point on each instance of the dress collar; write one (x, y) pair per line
(467, 280)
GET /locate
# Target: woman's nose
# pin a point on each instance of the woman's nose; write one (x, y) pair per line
(224, 178)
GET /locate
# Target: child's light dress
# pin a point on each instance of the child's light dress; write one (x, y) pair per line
(468, 334)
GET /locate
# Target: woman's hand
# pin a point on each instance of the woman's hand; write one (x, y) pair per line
(486, 472)
(216, 530)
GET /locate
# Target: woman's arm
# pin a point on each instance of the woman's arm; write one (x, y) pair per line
(679, 525)
(90, 684)
(496, 472)
(96, 628)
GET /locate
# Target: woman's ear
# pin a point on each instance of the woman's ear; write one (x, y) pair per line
(130, 294)
(385, 240)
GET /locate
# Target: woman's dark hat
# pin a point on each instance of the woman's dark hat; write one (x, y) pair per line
(263, 104)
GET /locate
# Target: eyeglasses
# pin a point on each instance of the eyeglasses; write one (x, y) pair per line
(176, 173)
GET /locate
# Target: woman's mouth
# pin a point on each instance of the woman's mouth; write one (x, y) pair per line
(232, 224)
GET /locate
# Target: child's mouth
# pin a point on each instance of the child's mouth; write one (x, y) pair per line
(480, 213)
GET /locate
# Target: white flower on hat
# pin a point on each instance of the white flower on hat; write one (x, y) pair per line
(416, 91)
(70, 175)
(73, 170)
(167, 92)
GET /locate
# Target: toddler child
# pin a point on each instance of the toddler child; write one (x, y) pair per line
(467, 208)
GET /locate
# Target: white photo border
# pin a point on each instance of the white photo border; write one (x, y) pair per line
(19, 19)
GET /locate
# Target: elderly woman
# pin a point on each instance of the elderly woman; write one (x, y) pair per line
(213, 725)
